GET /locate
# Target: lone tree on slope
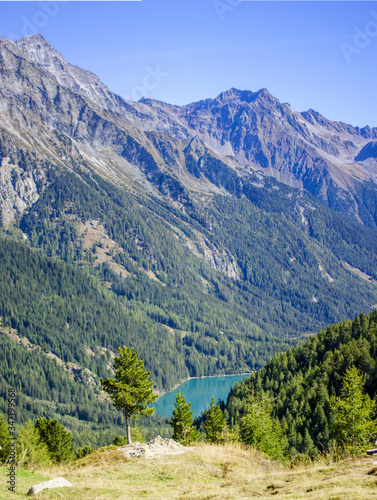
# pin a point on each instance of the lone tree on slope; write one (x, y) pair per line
(132, 389)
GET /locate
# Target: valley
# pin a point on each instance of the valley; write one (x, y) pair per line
(210, 237)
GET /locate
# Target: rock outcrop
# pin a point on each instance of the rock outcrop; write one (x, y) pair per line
(58, 482)
(156, 448)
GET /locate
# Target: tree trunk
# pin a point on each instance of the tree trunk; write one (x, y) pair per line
(128, 427)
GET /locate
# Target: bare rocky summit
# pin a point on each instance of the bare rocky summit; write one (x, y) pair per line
(64, 116)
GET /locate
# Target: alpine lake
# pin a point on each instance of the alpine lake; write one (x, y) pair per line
(198, 392)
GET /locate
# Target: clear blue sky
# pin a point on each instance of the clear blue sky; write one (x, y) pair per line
(304, 53)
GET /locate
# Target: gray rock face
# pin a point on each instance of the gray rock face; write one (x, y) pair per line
(17, 191)
(80, 81)
(334, 161)
(68, 117)
(58, 482)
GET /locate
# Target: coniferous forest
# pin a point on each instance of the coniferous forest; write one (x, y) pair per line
(299, 384)
(218, 287)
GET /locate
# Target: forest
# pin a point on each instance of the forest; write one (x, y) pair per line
(218, 286)
(315, 400)
(300, 383)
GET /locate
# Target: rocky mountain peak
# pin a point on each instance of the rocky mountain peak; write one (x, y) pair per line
(81, 81)
(39, 50)
(239, 129)
(233, 96)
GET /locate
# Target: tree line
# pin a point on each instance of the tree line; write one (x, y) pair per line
(352, 424)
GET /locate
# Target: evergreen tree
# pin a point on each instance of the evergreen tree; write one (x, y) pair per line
(31, 450)
(259, 428)
(132, 389)
(214, 423)
(353, 425)
(83, 452)
(182, 421)
(308, 447)
(57, 439)
(5, 439)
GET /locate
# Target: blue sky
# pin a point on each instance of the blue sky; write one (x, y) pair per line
(319, 55)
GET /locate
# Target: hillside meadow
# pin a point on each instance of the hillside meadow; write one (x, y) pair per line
(203, 472)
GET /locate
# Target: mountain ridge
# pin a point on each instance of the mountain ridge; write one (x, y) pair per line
(247, 131)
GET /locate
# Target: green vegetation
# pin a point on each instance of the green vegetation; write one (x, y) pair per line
(31, 449)
(291, 274)
(64, 310)
(304, 383)
(258, 428)
(297, 377)
(5, 439)
(132, 389)
(57, 439)
(45, 389)
(352, 414)
(181, 422)
(106, 267)
(214, 423)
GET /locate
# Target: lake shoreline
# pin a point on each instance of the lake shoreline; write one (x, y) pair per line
(160, 394)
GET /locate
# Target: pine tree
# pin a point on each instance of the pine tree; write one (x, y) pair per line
(5, 439)
(353, 425)
(259, 428)
(320, 427)
(132, 389)
(57, 439)
(214, 423)
(31, 450)
(308, 447)
(182, 421)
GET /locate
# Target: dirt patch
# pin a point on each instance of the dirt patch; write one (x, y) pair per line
(94, 236)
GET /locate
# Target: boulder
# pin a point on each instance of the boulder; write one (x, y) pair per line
(57, 482)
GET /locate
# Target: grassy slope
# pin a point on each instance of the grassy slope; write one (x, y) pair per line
(203, 472)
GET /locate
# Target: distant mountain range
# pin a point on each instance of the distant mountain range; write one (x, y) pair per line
(206, 236)
(211, 146)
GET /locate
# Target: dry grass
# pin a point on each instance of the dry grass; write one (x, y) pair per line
(204, 472)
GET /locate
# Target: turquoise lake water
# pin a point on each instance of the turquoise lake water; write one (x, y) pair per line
(199, 392)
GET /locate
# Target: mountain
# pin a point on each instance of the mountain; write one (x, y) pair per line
(301, 381)
(132, 227)
(242, 131)
(333, 161)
